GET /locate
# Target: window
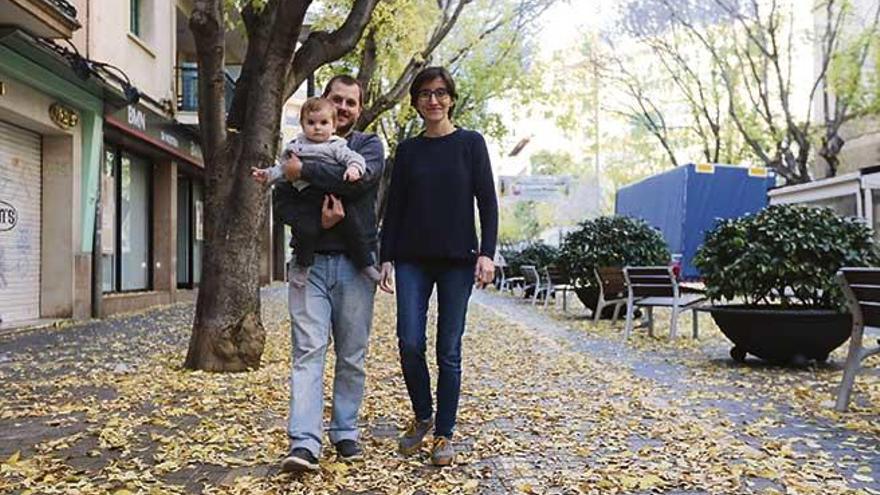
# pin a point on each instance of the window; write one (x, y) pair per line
(134, 16)
(190, 237)
(126, 224)
(845, 206)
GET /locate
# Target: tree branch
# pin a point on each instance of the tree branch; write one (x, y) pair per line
(322, 47)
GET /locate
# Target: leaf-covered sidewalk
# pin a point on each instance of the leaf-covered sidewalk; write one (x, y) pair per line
(550, 404)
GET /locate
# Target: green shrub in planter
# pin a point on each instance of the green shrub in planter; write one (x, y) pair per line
(610, 241)
(785, 255)
(536, 253)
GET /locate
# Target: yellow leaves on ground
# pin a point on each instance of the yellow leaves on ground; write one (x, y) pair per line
(537, 416)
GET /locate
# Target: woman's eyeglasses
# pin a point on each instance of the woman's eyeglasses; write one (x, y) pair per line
(440, 93)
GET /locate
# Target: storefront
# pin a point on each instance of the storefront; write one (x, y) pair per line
(152, 210)
(50, 135)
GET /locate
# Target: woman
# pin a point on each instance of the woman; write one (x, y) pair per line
(429, 239)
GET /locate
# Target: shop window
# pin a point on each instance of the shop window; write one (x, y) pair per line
(126, 239)
(190, 231)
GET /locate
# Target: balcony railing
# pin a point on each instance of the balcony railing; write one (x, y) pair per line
(65, 7)
(40, 18)
(188, 88)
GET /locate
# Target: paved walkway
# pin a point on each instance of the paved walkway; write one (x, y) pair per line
(550, 404)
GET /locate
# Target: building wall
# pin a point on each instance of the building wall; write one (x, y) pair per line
(147, 59)
(862, 136)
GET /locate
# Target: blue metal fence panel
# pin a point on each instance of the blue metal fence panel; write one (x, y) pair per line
(724, 193)
(660, 201)
(684, 203)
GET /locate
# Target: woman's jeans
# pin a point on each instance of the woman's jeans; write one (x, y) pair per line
(415, 283)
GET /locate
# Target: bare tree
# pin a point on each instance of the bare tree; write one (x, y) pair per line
(227, 333)
(761, 58)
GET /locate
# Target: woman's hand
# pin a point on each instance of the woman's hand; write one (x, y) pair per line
(332, 212)
(386, 278)
(484, 274)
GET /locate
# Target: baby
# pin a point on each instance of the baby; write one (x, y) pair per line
(319, 144)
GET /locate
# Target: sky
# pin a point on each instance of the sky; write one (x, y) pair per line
(561, 27)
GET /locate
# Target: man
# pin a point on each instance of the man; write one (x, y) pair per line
(337, 299)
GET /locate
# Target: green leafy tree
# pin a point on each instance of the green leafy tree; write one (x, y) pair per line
(546, 162)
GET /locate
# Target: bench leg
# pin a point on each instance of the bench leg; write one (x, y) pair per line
(616, 312)
(597, 313)
(564, 300)
(673, 326)
(853, 363)
(695, 320)
(629, 318)
(650, 310)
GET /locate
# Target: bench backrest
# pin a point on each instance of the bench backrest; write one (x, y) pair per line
(651, 281)
(861, 286)
(530, 274)
(554, 275)
(611, 280)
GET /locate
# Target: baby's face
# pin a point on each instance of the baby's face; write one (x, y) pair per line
(318, 126)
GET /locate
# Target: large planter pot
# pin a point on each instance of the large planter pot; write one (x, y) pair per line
(782, 335)
(589, 297)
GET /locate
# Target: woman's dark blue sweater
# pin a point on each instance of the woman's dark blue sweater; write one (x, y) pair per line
(430, 210)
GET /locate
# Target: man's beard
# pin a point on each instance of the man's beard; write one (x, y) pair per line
(344, 131)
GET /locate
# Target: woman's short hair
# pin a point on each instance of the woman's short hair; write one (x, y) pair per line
(316, 104)
(427, 75)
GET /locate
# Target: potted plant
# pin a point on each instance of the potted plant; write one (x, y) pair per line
(608, 241)
(779, 267)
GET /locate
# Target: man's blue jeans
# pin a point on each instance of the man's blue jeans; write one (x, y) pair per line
(337, 300)
(415, 284)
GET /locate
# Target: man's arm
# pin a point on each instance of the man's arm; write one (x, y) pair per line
(327, 179)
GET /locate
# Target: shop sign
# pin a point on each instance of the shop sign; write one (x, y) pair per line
(535, 187)
(8, 216)
(63, 117)
(163, 131)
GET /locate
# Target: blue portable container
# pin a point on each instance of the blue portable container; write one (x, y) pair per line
(685, 202)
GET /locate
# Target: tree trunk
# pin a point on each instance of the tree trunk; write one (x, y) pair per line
(228, 333)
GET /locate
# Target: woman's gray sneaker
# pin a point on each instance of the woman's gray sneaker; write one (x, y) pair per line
(411, 441)
(298, 460)
(349, 450)
(443, 453)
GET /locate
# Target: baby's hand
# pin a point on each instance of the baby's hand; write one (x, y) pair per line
(260, 175)
(352, 174)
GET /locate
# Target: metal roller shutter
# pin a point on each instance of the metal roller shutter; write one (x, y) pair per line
(20, 223)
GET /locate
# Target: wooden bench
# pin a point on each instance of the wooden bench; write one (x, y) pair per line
(657, 286)
(612, 291)
(555, 280)
(861, 287)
